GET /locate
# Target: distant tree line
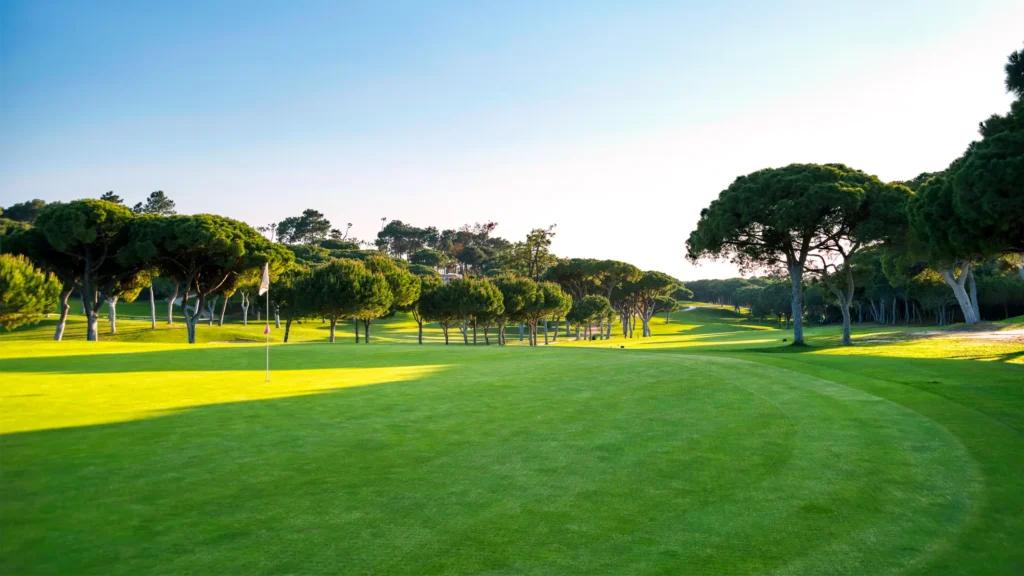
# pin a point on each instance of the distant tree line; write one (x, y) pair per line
(882, 294)
(106, 253)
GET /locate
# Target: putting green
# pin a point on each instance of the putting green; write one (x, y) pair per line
(393, 459)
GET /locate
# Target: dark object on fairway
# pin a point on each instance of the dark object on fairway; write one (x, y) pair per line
(785, 339)
(621, 347)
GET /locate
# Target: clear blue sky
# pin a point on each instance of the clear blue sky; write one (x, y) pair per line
(617, 121)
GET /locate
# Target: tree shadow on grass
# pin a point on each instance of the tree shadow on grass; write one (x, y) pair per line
(1009, 356)
(381, 479)
(786, 348)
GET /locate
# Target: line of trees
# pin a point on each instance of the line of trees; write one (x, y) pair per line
(841, 227)
(107, 253)
(886, 292)
(471, 249)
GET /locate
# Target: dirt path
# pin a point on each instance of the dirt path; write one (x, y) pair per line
(995, 335)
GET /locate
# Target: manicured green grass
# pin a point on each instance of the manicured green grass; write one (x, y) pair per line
(712, 448)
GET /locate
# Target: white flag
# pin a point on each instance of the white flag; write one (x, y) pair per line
(265, 284)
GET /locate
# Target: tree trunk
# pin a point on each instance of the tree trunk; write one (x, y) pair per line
(192, 318)
(210, 307)
(170, 305)
(92, 329)
(223, 309)
(846, 322)
(445, 330)
(474, 331)
(577, 332)
(520, 331)
(973, 291)
(245, 309)
(962, 298)
(334, 323)
(567, 328)
(366, 330)
(58, 333)
(356, 322)
(894, 310)
(419, 336)
(554, 331)
(487, 340)
(844, 295)
(277, 317)
(796, 276)
(112, 314)
(152, 308)
(545, 332)
(287, 328)
(190, 321)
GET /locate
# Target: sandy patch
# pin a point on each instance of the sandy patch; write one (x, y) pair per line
(960, 333)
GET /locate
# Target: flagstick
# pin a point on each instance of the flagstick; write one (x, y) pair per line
(267, 332)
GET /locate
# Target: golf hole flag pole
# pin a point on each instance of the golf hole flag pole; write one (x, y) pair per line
(265, 289)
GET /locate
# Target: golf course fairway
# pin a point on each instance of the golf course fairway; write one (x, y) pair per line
(692, 452)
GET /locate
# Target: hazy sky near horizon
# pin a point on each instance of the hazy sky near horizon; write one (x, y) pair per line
(617, 121)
